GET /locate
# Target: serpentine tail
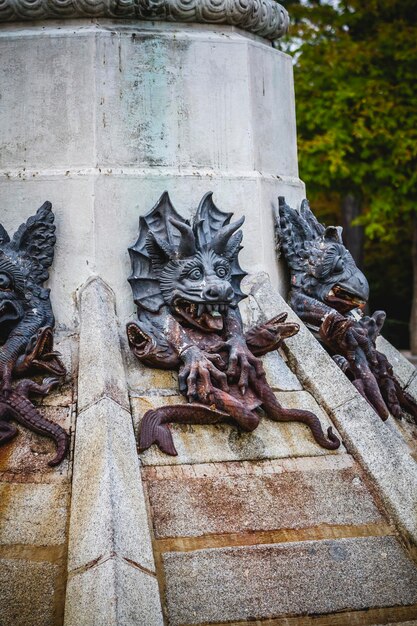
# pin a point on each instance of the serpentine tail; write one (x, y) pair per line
(155, 429)
(277, 413)
(24, 412)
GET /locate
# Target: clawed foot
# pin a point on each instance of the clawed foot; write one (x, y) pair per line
(50, 383)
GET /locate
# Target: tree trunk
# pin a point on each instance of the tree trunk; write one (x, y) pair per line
(413, 317)
(353, 235)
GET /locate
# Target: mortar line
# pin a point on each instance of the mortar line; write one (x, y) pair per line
(103, 397)
(279, 536)
(364, 617)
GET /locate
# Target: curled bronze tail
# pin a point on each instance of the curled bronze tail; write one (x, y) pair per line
(277, 413)
(16, 405)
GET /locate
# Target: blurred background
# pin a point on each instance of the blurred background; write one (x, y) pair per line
(355, 66)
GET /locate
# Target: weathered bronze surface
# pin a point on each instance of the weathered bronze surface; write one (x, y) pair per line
(328, 292)
(26, 323)
(186, 284)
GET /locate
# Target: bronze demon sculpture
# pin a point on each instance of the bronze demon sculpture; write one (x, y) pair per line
(328, 292)
(186, 284)
(26, 323)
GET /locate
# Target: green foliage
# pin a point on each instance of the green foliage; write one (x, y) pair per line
(356, 94)
(355, 66)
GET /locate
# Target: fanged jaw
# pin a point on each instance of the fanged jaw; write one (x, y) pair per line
(8, 311)
(201, 314)
(347, 299)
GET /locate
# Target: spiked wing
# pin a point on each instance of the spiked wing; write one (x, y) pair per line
(4, 237)
(296, 233)
(144, 280)
(237, 274)
(34, 241)
(316, 229)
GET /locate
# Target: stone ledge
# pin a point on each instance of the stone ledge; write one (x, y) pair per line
(313, 366)
(265, 18)
(311, 577)
(109, 536)
(200, 506)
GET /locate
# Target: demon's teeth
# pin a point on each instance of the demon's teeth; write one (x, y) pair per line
(216, 314)
(331, 292)
(215, 308)
(200, 310)
(209, 308)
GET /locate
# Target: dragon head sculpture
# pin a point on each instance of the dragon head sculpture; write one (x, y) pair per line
(191, 269)
(320, 265)
(24, 261)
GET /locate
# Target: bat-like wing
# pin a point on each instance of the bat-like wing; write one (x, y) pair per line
(144, 279)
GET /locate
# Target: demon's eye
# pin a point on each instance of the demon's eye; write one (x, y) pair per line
(5, 281)
(339, 265)
(221, 271)
(195, 274)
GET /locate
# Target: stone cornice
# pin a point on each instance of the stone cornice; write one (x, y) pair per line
(265, 18)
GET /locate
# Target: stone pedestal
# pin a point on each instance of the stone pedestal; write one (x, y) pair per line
(101, 116)
(103, 106)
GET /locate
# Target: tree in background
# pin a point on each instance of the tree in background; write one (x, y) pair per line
(356, 97)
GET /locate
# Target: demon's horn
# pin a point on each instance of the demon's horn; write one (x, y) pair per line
(221, 238)
(187, 244)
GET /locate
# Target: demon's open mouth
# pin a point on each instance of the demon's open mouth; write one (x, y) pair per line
(347, 299)
(40, 355)
(140, 342)
(9, 312)
(208, 316)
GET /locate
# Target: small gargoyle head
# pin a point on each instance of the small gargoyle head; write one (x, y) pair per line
(196, 267)
(24, 260)
(320, 264)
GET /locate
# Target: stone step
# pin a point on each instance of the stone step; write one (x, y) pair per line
(272, 540)
(262, 582)
(291, 494)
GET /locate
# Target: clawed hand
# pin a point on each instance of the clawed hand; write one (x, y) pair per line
(197, 372)
(345, 335)
(242, 363)
(356, 354)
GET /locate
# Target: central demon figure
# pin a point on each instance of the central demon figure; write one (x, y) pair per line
(328, 292)
(186, 284)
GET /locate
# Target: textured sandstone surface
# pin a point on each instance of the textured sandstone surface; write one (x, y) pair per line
(268, 581)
